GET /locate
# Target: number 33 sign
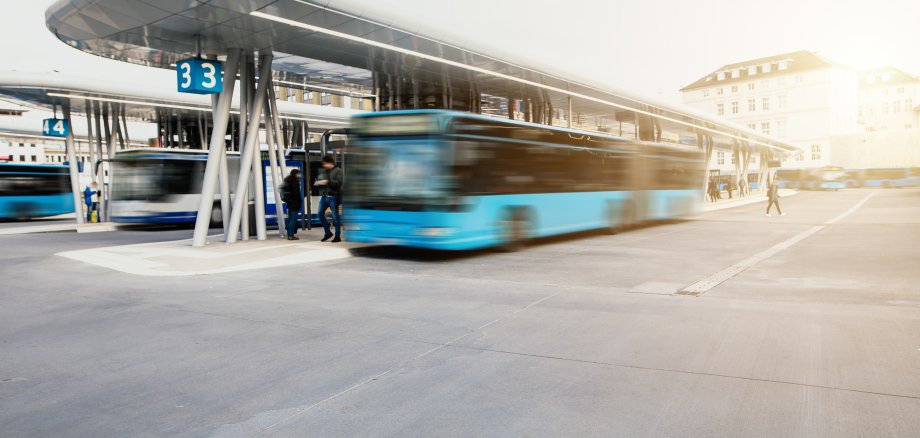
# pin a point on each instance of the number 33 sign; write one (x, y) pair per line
(199, 76)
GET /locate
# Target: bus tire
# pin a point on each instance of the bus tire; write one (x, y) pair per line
(516, 230)
(217, 216)
(628, 216)
(23, 211)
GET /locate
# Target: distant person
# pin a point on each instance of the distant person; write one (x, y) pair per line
(91, 198)
(773, 198)
(292, 196)
(742, 187)
(713, 191)
(729, 186)
(331, 187)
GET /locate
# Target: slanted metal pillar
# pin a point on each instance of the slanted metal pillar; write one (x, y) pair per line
(103, 189)
(271, 138)
(250, 151)
(72, 165)
(215, 150)
(223, 173)
(280, 139)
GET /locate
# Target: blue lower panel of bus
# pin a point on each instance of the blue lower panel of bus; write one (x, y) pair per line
(170, 217)
(483, 223)
(14, 207)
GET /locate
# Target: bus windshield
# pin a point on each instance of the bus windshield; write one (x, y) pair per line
(399, 162)
(153, 179)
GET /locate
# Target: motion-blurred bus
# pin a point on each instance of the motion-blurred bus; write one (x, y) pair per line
(885, 177)
(34, 190)
(824, 178)
(162, 186)
(453, 181)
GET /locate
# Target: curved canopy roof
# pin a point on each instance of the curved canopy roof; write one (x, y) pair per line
(322, 43)
(46, 90)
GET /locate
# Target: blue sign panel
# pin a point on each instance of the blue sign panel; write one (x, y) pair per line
(55, 127)
(200, 76)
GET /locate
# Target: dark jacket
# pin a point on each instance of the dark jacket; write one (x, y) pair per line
(336, 180)
(291, 194)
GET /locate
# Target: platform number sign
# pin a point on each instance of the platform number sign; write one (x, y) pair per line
(199, 76)
(55, 128)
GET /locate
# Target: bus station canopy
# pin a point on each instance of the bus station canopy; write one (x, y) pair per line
(49, 90)
(333, 43)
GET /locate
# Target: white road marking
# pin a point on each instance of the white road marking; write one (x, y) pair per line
(720, 277)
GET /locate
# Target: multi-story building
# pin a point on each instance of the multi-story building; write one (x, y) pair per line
(889, 99)
(800, 97)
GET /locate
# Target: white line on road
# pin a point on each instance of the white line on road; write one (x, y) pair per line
(720, 277)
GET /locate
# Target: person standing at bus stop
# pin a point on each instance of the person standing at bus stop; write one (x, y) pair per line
(773, 198)
(291, 195)
(91, 199)
(332, 198)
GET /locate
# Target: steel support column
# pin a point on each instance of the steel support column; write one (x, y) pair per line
(250, 151)
(70, 144)
(215, 150)
(271, 138)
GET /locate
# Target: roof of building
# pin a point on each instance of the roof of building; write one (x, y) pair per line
(885, 76)
(781, 64)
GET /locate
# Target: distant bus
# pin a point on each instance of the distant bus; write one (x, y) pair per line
(162, 186)
(831, 178)
(34, 190)
(454, 181)
(889, 177)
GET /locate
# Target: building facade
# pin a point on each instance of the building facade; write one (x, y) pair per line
(889, 100)
(800, 97)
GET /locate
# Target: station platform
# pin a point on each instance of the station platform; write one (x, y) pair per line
(179, 258)
(739, 201)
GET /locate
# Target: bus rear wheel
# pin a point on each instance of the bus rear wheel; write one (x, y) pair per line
(516, 230)
(217, 216)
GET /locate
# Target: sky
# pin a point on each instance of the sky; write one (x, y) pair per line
(652, 47)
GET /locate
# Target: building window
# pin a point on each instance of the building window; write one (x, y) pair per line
(734, 88)
(782, 65)
(706, 93)
(34, 158)
(752, 126)
(900, 90)
(720, 109)
(752, 105)
(815, 152)
(720, 157)
(781, 128)
(736, 73)
(781, 101)
(751, 86)
(325, 99)
(732, 157)
(860, 110)
(799, 79)
(766, 103)
(752, 70)
(22, 158)
(884, 107)
(896, 106)
(719, 91)
(735, 107)
(765, 128)
(908, 105)
(720, 76)
(766, 67)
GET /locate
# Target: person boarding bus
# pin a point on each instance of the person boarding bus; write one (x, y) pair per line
(331, 187)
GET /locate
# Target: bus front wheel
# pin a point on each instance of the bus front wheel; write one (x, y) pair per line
(217, 216)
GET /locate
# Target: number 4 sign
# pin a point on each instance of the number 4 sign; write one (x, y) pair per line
(55, 128)
(199, 76)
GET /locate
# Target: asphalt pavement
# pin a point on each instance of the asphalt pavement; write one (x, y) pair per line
(811, 327)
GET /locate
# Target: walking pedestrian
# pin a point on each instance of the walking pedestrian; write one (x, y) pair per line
(331, 187)
(293, 197)
(742, 187)
(773, 198)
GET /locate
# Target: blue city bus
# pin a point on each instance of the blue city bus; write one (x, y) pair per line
(832, 178)
(34, 190)
(449, 180)
(896, 177)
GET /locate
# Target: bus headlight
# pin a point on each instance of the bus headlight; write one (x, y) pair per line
(434, 231)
